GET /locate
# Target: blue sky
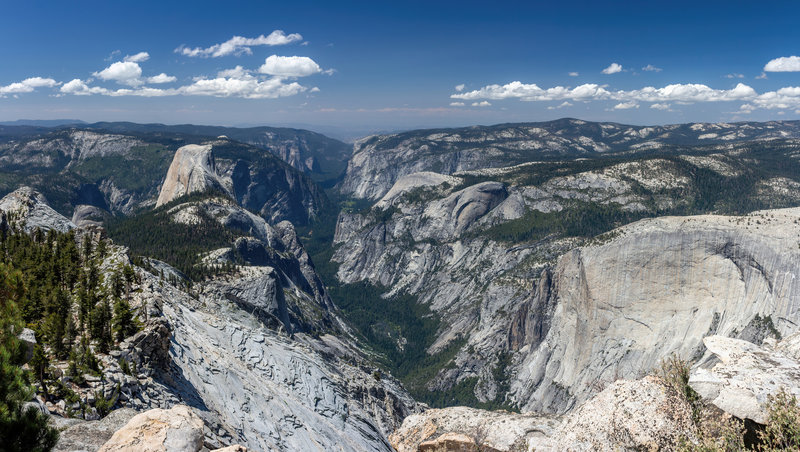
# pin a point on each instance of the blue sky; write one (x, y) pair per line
(375, 65)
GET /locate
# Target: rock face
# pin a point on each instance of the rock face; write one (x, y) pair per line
(595, 314)
(176, 429)
(29, 207)
(192, 170)
(659, 288)
(743, 375)
(86, 215)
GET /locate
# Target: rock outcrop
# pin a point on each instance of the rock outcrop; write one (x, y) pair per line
(629, 415)
(473, 429)
(30, 209)
(87, 215)
(156, 430)
(192, 170)
(744, 374)
(79, 435)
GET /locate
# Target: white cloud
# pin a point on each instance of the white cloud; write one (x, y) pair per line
(138, 58)
(559, 106)
(456, 104)
(239, 45)
(27, 86)
(293, 66)
(481, 104)
(532, 92)
(784, 98)
(573, 74)
(613, 68)
(79, 88)
(783, 64)
(651, 68)
(247, 86)
(682, 93)
(237, 72)
(663, 107)
(763, 76)
(124, 72)
(460, 87)
(734, 75)
(314, 90)
(626, 105)
(161, 78)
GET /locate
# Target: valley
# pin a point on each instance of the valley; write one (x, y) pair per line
(301, 295)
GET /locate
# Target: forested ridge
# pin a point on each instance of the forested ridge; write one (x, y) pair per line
(54, 285)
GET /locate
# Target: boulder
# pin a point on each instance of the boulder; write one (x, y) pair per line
(234, 448)
(176, 429)
(89, 435)
(745, 374)
(149, 348)
(28, 339)
(468, 429)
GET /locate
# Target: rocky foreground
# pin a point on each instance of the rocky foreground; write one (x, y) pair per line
(737, 378)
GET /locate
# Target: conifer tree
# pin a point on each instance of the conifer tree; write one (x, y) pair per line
(20, 429)
(124, 323)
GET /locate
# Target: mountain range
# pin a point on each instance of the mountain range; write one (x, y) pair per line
(299, 293)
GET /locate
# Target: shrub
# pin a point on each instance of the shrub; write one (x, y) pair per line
(782, 431)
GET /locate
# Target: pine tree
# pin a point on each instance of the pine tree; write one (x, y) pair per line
(101, 325)
(124, 324)
(20, 430)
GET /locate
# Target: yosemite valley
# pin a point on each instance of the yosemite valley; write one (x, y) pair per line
(561, 285)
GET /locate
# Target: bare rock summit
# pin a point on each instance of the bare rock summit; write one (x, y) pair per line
(193, 169)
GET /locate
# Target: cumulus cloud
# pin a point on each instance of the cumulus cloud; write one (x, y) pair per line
(248, 87)
(783, 64)
(161, 78)
(457, 104)
(651, 68)
(138, 58)
(626, 105)
(532, 92)
(663, 107)
(79, 88)
(573, 74)
(123, 72)
(763, 76)
(734, 75)
(27, 86)
(481, 104)
(239, 45)
(460, 87)
(687, 93)
(613, 68)
(293, 66)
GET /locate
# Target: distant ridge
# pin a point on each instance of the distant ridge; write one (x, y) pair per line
(43, 122)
